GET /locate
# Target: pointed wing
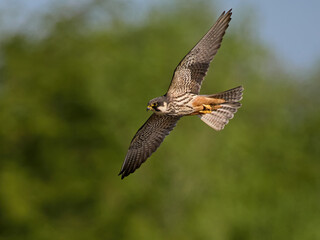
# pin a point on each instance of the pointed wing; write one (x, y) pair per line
(191, 71)
(146, 141)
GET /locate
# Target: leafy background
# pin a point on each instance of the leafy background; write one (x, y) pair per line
(71, 100)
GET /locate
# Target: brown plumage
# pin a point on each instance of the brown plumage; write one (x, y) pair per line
(192, 69)
(147, 140)
(182, 99)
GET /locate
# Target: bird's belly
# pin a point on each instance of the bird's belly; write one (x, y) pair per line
(182, 106)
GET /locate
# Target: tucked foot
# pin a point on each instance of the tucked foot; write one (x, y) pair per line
(206, 109)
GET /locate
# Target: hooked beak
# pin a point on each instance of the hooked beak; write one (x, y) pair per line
(149, 108)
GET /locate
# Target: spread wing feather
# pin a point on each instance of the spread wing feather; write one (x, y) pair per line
(146, 141)
(191, 71)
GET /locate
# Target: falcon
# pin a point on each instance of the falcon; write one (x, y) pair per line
(183, 99)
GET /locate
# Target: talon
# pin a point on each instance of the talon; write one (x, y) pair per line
(207, 107)
(205, 111)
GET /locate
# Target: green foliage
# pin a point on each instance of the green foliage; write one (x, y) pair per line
(70, 104)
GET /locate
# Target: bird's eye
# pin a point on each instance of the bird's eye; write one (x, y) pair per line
(154, 104)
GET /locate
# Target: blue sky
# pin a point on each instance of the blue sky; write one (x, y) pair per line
(289, 27)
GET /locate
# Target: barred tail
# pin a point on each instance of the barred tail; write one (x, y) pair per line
(232, 95)
(217, 119)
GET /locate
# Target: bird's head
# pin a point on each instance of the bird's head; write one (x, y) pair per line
(158, 105)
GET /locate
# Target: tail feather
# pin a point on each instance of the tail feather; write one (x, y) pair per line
(217, 119)
(232, 95)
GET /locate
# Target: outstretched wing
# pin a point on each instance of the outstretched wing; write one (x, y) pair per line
(191, 71)
(146, 141)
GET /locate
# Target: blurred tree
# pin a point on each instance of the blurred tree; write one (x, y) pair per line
(70, 104)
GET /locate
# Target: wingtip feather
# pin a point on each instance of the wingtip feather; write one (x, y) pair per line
(121, 174)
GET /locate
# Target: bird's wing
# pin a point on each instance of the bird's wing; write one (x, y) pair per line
(146, 141)
(192, 69)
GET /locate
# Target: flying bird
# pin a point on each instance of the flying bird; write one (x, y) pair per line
(183, 99)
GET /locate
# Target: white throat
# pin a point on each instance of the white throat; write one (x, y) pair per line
(163, 108)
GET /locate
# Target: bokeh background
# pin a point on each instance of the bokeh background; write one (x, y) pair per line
(75, 78)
